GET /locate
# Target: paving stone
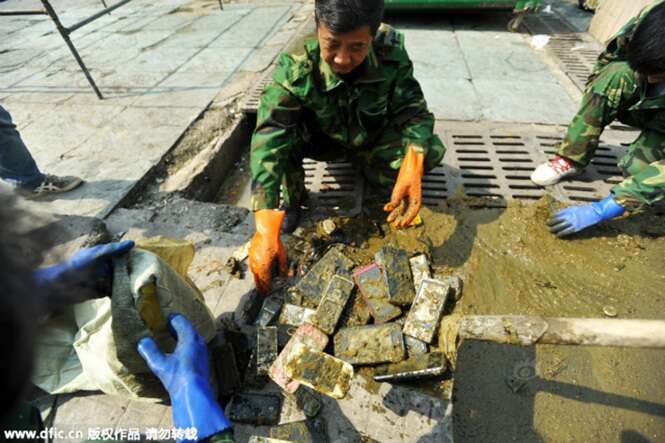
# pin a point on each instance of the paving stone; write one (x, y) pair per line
(451, 99)
(217, 60)
(502, 56)
(137, 56)
(161, 59)
(169, 23)
(190, 39)
(185, 89)
(434, 57)
(528, 102)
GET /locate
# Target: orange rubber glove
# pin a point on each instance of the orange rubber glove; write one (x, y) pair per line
(266, 248)
(407, 194)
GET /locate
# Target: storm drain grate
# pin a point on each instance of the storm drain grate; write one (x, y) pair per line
(334, 185)
(576, 53)
(490, 161)
(496, 161)
(575, 56)
(547, 23)
(251, 104)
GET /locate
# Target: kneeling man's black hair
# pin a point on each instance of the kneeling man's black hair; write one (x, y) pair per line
(646, 52)
(342, 16)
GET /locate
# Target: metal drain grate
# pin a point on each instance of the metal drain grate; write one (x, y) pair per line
(484, 162)
(576, 53)
(547, 23)
(334, 185)
(492, 161)
(496, 161)
(575, 56)
(251, 104)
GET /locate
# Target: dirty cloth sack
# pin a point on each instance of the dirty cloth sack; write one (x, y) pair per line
(93, 345)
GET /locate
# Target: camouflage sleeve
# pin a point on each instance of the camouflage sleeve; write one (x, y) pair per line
(275, 134)
(409, 108)
(645, 188)
(601, 104)
(222, 437)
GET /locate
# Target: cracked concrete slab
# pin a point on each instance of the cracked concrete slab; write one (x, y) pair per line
(145, 55)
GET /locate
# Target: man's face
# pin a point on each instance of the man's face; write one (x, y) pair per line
(344, 52)
(653, 79)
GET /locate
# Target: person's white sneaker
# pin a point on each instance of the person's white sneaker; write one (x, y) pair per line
(53, 184)
(554, 171)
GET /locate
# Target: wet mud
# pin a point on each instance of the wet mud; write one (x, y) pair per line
(511, 264)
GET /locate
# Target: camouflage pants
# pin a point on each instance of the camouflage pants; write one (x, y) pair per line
(379, 164)
(601, 105)
(644, 165)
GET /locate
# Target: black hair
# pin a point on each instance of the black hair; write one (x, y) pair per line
(646, 50)
(342, 16)
(19, 305)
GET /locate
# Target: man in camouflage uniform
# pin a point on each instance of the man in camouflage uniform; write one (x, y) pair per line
(628, 85)
(350, 94)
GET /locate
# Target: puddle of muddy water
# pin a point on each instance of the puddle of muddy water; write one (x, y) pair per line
(236, 188)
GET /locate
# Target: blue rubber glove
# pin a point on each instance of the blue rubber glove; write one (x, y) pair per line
(185, 374)
(92, 263)
(576, 218)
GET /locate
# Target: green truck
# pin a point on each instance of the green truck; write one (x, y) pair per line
(520, 7)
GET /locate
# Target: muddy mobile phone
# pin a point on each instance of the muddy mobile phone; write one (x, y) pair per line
(398, 274)
(373, 287)
(314, 283)
(266, 348)
(419, 270)
(370, 344)
(307, 335)
(255, 409)
(269, 311)
(422, 320)
(295, 315)
(332, 304)
(415, 368)
(307, 431)
(322, 372)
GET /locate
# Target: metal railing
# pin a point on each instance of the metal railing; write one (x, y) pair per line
(65, 31)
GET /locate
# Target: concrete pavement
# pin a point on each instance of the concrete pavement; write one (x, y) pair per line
(159, 65)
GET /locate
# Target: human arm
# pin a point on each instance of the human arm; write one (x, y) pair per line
(185, 375)
(275, 133)
(409, 113)
(96, 259)
(577, 218)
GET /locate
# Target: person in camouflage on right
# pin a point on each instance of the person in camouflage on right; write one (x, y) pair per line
(628, 85)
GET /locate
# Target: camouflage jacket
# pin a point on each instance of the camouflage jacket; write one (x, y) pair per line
(306, 99)
(614, 92)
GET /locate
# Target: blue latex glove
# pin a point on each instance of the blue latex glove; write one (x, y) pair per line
(576, 218)
(185, 374)
(89, 263)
